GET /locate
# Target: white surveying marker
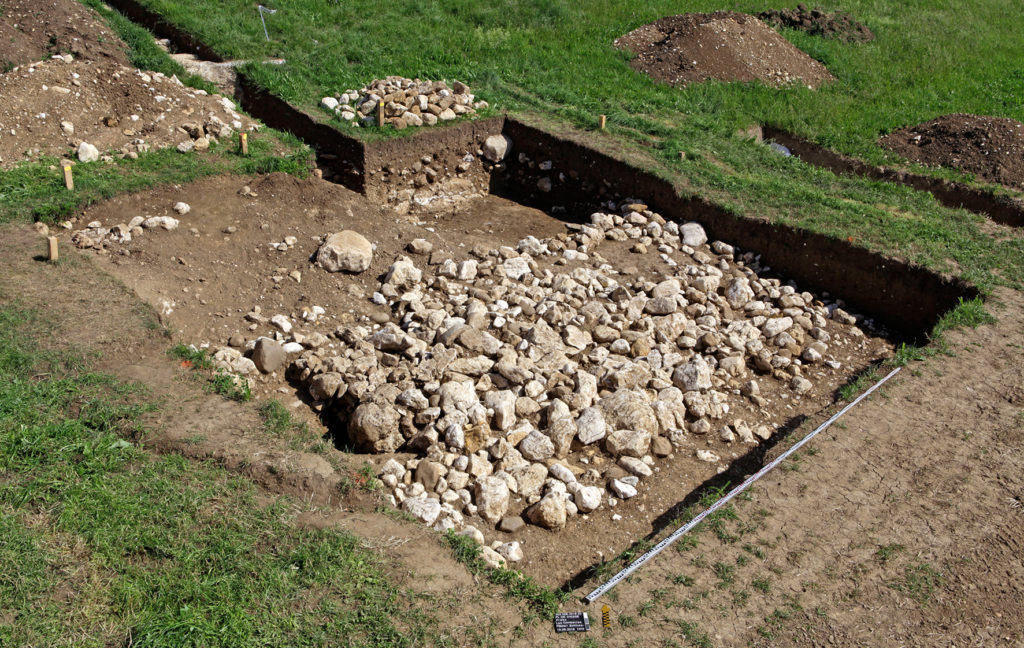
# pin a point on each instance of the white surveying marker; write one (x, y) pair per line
(262, 11)
(678, 533)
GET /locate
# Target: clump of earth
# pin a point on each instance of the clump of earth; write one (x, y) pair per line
(992, 148)
(818, 22)
(36, 29)
(722, 46)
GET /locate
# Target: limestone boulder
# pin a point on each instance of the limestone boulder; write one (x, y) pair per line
(345, 251)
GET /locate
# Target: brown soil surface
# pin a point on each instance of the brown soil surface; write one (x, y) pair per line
(725, 46)
(113, 107)
(205, 281)
(818, 22)
(31, 30)
(990, 147)
(899, 526)
(86, 309)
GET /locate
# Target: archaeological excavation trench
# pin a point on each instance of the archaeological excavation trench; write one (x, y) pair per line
(547, 344)
(1002, 209)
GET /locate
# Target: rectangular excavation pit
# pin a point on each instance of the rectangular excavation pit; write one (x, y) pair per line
(494, 207)
(227, 272)
(907, 298)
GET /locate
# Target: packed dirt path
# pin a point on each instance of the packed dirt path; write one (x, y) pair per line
(901, 525)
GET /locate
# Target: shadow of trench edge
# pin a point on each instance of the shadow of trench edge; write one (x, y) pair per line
(905, 298)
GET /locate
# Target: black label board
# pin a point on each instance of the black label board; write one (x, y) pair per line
(572, 622)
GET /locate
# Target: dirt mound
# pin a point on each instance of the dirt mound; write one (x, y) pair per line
(52, 106)
(34, 29)
(725, 45)
(817, 22)
(990, 147)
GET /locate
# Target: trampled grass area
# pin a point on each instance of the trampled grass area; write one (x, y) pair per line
(553, 61)
(104, 543)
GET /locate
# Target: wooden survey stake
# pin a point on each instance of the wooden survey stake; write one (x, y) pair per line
(602, 120)
(380, 113)
(243, 139)
(52, 253)
(69, 181)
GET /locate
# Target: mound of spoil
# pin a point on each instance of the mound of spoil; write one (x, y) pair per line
(818, 22)
(69, 107)
(407, 102)
(34, 29)
(725, 46)
(990, 147)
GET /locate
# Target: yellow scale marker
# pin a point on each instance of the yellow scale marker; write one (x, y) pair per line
(606, 616)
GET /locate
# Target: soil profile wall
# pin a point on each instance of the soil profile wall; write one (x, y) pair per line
(907, 298)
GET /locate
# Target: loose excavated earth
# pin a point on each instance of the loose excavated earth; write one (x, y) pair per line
(722, 46)
(990, 147)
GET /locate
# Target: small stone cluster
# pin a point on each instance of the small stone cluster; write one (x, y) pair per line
(407, 102)
(541, 377)
(96, 235)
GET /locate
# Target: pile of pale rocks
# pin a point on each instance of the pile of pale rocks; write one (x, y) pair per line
(556, 386)
(96, 235)
(407, 102)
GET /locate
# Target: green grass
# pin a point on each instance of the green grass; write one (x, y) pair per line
(217, 379)
(887, 552)
(541, 600)
(919, 582)
(106, 544)
(694, 635)
(35, 191)
(558, 56)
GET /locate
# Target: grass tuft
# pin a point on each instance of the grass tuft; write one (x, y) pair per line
(153, 550)
(542, 600)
